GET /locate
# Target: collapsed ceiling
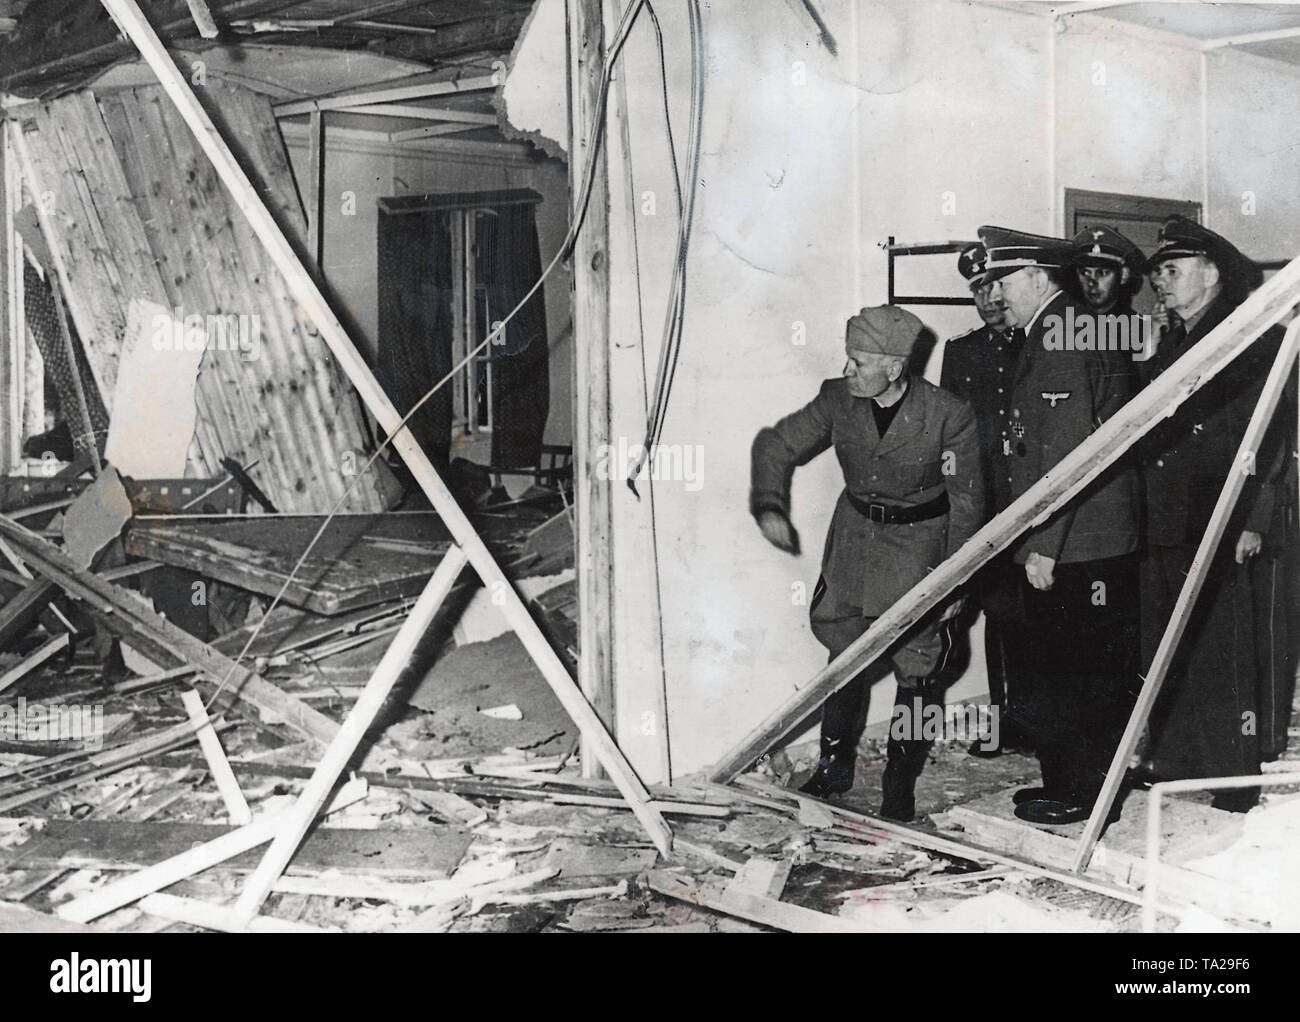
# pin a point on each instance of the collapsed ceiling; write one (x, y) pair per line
(71, 40)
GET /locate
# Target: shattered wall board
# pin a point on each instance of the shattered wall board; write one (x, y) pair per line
(139, 213)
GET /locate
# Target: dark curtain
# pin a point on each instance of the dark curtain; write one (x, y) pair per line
(42, 320)
(508, 263)
(415, 322)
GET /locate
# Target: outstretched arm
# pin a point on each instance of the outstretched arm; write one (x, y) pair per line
(776, 452)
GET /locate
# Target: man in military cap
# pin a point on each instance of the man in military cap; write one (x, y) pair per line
(1108, 268)
(979, 367)
(1205, 721)
(913, 494)
(1079, 570)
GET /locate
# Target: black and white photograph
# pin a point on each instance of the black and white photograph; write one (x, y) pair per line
(650, 466)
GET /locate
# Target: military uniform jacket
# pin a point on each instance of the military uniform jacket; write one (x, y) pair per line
(1186, 459)
(979, 366)
(1059, 398)
(930, 448)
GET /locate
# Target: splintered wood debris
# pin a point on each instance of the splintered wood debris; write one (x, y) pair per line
(143, 801)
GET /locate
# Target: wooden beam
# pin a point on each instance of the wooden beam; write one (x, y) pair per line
(1200, 364)
(636, 662)
(395, 660)
(157, 637)
(1246, 38)
(591, 343)
(203, 19)
(84, 39)
(218, 766)
(1251, 442)
(314, 304)
(33, 661)
(426, 113)
(316, 191)
(21, 612)
(11, 255)
(392, 94)
(433, 131)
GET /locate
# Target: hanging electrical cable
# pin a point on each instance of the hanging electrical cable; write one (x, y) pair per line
(675, 314)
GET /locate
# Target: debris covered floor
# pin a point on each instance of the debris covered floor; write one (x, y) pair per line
(462, 821)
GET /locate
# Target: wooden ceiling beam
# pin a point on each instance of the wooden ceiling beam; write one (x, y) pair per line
(391, 94)
(74, 36)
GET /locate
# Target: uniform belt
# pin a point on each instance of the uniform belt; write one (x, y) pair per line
(892, 514)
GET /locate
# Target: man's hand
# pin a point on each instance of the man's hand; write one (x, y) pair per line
(778, 531)
(953, 609)
(1038, 569)
(1248, 545)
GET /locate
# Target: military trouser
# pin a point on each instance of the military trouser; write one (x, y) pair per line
(1081, 646)
(918, 659)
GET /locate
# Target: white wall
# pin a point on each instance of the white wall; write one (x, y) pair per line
(1254, 145)
(936, 117)
(371, 171)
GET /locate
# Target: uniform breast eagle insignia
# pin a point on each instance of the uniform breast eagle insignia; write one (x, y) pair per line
(1053, 397)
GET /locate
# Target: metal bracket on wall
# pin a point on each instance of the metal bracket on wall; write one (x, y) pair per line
(894, 251)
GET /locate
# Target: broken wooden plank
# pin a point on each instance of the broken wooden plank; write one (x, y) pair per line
(668, 808)
(352, 565)
(104, 763)
(452, 808)
(344, 746)
(143, 627)
(18, 615)
(218, 766)
(25, 576)
(33, 660)
(187, 863)
(767, 911)
(765, 878)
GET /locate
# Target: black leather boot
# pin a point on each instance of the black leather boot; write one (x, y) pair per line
(834, 773)
(906, 760)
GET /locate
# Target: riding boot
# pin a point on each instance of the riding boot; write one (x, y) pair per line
(907, 749)
(834, 773)
(904, 763)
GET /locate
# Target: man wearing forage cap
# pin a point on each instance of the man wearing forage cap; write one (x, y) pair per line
(913, 494)
(1079, 573)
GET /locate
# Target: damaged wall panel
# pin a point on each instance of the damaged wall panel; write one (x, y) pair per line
(125, 168)
(98, 234)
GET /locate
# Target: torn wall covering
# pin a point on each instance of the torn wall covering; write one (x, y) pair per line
(140, 214)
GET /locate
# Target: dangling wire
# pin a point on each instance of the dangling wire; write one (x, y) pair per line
(675, 315)
(596, 133)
